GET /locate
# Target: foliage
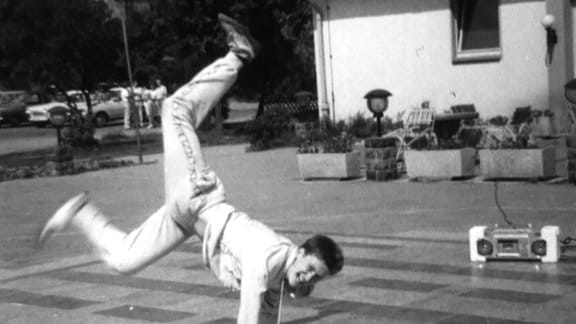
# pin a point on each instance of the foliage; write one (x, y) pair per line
(515, 133)
(507, 137)
(267, 131)
(77, 44)
(330, 129)
(330, 137)
(360, 126)
(47, 170)
(338, 144)
(467, 136)
(79, 130)
(71, 43)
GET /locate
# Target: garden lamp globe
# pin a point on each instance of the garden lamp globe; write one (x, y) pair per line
(377, 101)
(58, 118)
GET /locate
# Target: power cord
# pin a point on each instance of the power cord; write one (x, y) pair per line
(567, 246)
(500, 207)
(566, 241)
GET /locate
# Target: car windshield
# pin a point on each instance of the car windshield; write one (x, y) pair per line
(59, 97)
(109, 95)
(77, 97)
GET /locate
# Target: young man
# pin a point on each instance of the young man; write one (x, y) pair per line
(243, 253)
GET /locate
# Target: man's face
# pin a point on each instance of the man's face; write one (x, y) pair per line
(306, 270)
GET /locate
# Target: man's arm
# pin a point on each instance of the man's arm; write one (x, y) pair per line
(257, 305)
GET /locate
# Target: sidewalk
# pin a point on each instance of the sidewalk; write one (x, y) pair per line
(405, 245)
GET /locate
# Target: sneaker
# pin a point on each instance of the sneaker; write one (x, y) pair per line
(240, 40)
(63, 216)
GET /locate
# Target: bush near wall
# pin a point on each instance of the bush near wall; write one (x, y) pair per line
(268, 131)
(46, 170)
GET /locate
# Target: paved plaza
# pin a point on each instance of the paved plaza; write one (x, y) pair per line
(405, 246)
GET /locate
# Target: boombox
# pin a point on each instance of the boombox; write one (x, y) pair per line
(496, 242)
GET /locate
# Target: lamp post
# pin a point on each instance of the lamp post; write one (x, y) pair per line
(58, 120)
(377, 101)
(119, 10)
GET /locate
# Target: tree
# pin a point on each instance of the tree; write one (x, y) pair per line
(71, 43)
(78, 44)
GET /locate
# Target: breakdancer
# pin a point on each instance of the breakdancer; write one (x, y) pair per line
(243, 253)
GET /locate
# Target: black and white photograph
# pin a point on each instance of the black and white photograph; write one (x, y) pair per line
(288, 161)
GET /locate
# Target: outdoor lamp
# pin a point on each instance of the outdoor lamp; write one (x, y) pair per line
(551, 36)
(58, 120)
(377, 101)
(303, 98)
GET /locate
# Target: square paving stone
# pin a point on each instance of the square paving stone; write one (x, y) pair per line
(509, 296)
(41, 300)
(402, 285)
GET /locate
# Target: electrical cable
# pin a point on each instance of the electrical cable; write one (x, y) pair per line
(566, 244)
(500, 207)
(568, 240)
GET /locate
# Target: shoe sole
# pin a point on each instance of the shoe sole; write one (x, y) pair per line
(62, 217)
(243, 30)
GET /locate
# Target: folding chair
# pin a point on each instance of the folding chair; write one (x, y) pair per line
(418, 125)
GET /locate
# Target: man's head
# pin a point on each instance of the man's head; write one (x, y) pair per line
(317, 258)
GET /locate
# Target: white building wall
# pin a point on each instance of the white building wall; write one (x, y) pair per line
(405, 46)
(573, 2)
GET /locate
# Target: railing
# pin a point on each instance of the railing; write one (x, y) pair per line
(288, 105)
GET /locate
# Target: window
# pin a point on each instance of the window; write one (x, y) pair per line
(476, 30)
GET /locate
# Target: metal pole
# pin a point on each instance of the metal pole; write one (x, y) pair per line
(379, 125)
(131, 98)
(59, 135)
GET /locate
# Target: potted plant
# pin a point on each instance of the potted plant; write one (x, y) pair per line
(427, 156)
(509, 150)
(329, 156)
(451, 158)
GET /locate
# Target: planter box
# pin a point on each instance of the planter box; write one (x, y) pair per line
(440, 163)
(518, 163)
(329, 165)
(564, 153)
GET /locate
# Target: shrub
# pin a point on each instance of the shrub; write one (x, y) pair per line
(329, 128)
(340, 144)
(268, 130)
(329, 137)
(361, 127)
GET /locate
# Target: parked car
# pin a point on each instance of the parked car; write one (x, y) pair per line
(13, 107)
(39, 114)
(106, 106)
